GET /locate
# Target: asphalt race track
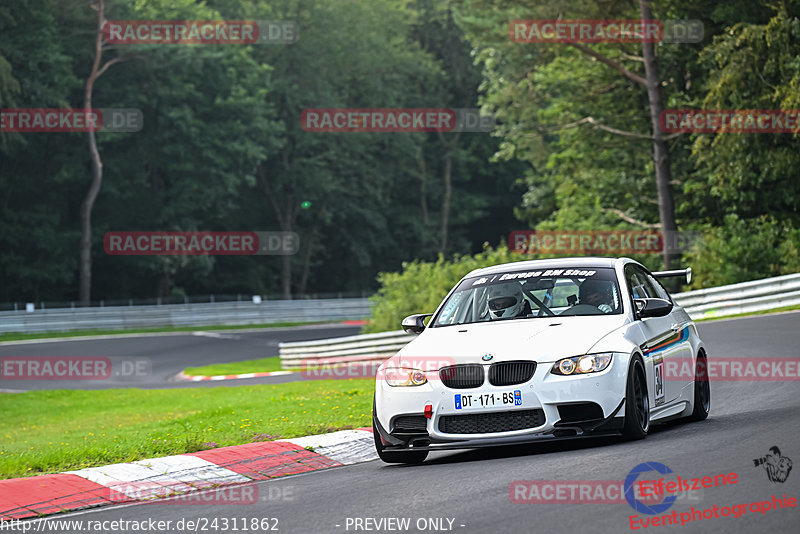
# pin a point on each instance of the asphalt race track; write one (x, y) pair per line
(472, 488)
(165, 355)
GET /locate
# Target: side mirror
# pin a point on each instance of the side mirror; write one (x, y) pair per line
(652, 307)
(415, 324)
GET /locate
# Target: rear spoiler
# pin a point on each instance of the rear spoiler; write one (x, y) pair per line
(687, 272)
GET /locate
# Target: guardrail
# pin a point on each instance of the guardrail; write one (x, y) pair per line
(363, 348)
(745, 297)
(199, 314)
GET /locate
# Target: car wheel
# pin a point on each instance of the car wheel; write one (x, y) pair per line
(702, 390)
(637, 404)
(397, 457)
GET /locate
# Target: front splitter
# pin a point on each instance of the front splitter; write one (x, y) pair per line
(499, 442)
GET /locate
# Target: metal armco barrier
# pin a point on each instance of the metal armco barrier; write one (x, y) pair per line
(199, 314)
(363, 348)
(745, 297)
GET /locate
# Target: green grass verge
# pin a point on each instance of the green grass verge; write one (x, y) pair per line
(236, 368)
(749, 314)
(17, 336)
(59, 430)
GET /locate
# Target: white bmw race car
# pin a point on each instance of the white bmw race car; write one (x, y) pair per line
(545, 349)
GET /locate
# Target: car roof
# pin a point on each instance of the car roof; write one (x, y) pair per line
(553, 263)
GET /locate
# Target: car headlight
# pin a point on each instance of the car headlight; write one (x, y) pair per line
(404, 376)
(577, 365)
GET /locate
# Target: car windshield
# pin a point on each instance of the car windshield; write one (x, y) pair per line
(523, 294)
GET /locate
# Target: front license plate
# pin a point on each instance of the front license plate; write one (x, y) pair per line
(488, 400)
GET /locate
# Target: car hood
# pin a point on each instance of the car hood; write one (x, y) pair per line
(544, 339)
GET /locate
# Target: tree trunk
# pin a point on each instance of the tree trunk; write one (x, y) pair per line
(86, 222)
(287, 225)
(666, 205)
(447, 178)
(286, 218)
(85, 289)
(307, 261)
(164, 284)
(286, 277)
(446, 198)
(423, 188)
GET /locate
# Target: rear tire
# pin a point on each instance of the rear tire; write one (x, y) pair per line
(396, 457)
(702, 390)
(637, 402)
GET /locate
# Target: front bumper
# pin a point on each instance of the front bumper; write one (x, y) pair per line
(569, 406)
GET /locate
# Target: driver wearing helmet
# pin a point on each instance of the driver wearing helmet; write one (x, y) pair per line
(595, 293)
(505, 300)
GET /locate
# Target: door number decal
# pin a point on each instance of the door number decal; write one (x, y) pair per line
(658, 374)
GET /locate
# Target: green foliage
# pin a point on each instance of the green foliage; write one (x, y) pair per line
(222, 147)
(752, 66)
(579, 176)
(543, 94)
(744, 249)
(421, 285)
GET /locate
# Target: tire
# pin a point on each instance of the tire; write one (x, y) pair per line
(637, 403)
(396, 457)
(702, 390)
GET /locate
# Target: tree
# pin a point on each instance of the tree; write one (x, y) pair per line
(36, 237)
(343, 175)
(752, 66)
(98, 68)
(661, 159)
(518, 85)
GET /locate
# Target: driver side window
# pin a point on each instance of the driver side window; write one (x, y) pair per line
(659, 289)
(638, 284)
